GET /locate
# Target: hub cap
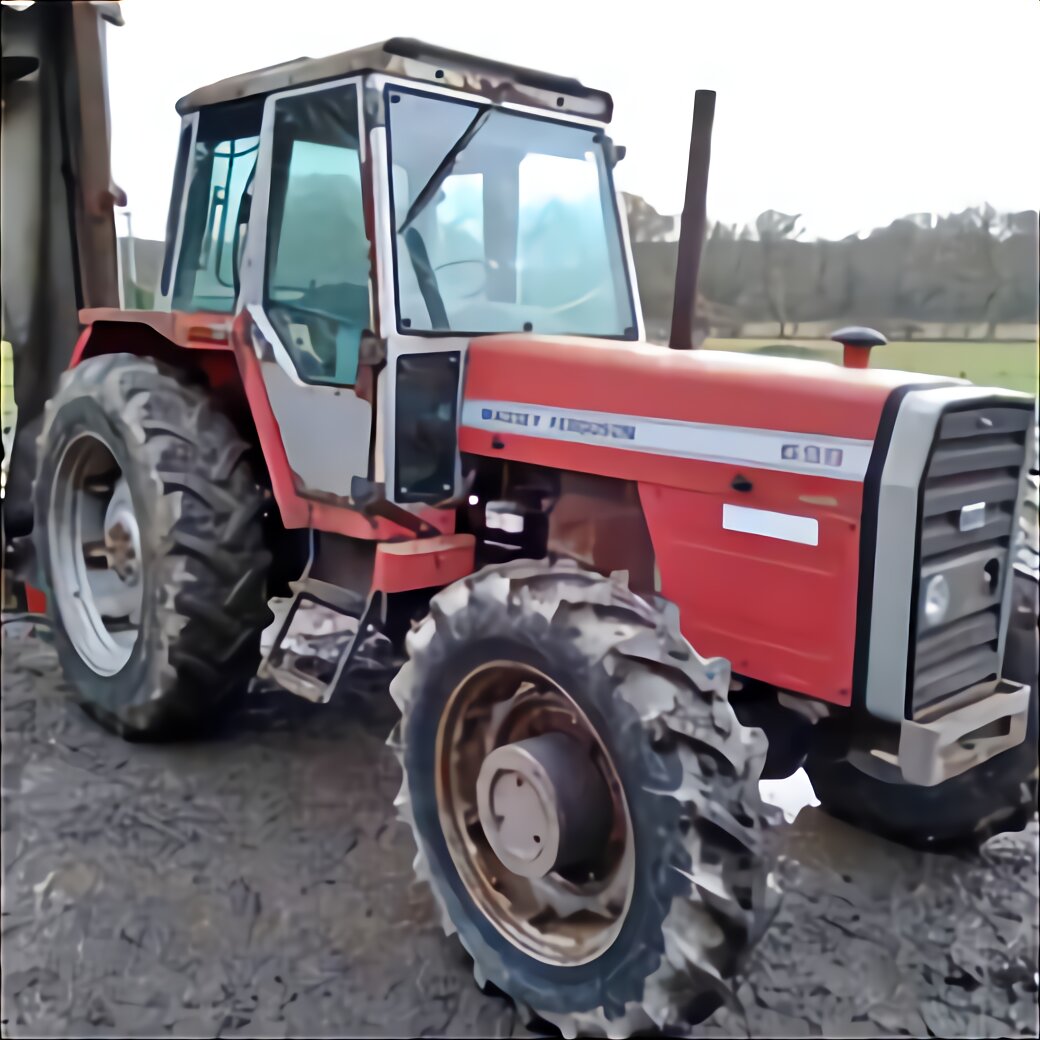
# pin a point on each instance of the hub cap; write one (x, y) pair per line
(543, 804)
(96, 549)
(534, 814)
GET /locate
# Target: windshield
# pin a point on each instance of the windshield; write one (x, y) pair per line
(502, 222)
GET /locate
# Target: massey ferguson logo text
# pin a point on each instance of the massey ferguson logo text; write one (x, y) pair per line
(582, 427)
(812, 453)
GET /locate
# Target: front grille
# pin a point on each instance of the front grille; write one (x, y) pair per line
(977, 458)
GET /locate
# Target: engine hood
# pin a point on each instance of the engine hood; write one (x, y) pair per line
(701, 386)
(607, 407)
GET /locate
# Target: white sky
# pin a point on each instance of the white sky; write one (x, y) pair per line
(851, 112)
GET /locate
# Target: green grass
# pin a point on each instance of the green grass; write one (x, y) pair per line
(1009, 365)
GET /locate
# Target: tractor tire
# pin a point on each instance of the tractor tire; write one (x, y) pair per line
(567, 655)
(999, 795)
(149, 547)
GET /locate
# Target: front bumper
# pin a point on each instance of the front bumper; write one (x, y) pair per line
(982, 722)
(989, 720)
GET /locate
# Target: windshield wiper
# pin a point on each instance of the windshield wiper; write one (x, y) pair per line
(432, 186)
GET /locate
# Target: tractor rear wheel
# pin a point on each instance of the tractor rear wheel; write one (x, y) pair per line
(584, 801)
(998, 795)
(149, 547)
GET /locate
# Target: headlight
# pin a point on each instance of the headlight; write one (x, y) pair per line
(936, 599)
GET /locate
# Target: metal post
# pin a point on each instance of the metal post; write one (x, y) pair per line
(130, 249)
(694, 222)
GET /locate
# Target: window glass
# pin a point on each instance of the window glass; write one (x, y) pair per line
(173, 217)
(563, 252)
(317, 280)
(503, 222)
(224, 164)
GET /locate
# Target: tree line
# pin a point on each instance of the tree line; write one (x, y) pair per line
(964, 275)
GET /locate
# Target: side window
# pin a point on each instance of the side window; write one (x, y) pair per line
(317, 277)
(226, 148)
(180, 174)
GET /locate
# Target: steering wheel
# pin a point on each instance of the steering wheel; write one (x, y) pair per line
(454, 263)
(571, 304)
(467, 260)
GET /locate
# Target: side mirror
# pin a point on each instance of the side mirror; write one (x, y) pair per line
(614, 152)
(858, 342)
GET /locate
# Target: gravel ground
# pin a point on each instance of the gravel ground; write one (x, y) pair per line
(257, 885)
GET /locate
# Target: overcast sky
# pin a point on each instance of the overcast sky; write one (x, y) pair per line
(850, 112)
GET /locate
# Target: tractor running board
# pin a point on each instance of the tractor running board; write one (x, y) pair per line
(327, 635)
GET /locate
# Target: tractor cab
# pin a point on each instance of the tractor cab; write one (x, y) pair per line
(389, 204)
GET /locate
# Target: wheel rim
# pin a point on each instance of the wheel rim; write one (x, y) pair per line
(96, 550)
(534, 814)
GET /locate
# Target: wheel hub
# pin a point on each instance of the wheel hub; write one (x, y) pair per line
(542, 804)
(534, 813)
(97, 561)
(122, 536)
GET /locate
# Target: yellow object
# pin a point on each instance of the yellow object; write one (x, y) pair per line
(6, 369)
(8, 408)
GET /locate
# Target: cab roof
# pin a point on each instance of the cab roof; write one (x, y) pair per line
(412, 59)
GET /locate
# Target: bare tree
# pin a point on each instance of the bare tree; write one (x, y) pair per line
(645, 224)
(774, 229)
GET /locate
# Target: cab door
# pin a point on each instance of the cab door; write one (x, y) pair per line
(306, 282)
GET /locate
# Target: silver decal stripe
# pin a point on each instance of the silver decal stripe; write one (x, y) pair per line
(841, 457)
(786, 526)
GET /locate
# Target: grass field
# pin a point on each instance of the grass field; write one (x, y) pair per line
(1009, 365)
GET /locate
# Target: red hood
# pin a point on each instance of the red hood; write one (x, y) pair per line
(704, 386)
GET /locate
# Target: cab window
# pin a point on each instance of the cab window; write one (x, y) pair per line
(222, 177)
(317, 274)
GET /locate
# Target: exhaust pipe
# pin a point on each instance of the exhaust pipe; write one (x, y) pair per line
(694, 222)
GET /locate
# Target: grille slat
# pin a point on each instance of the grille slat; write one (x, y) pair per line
(935, 647)
(966, 455)
(941, 534)
(955, 673)
(984, 422)
(948, 493)
(977, 458)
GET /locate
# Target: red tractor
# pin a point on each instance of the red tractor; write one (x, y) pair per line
(396, 385)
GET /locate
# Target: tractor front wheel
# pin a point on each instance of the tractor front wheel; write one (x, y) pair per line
(150, 549)
(998, 795)
(584, 801)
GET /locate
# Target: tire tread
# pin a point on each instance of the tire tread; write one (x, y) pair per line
(211, 563)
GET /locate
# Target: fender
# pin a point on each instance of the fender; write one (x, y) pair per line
(164, 335)
(222, 349)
